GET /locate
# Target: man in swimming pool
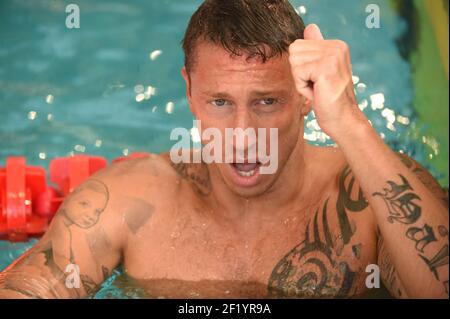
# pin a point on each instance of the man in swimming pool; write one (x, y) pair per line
(224, 230)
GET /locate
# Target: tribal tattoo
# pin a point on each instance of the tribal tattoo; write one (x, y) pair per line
(313, 267)
(401, 202)
(89, 285)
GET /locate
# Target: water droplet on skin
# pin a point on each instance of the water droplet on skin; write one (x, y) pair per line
(194, 294)
(175, 235)
(443, 231)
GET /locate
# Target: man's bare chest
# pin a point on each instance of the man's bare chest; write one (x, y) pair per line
(319, 253)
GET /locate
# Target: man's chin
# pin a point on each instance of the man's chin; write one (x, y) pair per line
(249, 193)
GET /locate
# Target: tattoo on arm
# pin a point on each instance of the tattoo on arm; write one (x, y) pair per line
(40, 273)
(425, 177)
(86, 204)
(401, 202)
(345, 203)
(389, 274)
(404, 206)
(36, 275)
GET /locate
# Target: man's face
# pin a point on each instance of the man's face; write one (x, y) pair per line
(227, 91)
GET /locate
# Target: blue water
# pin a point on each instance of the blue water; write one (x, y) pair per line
(76, 91)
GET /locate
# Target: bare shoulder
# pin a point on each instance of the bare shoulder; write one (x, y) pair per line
(136, 189)
(155, 170)
(153, 166)
(145, 187)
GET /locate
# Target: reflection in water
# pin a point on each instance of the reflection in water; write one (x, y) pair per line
(182, 289)
(125, 286)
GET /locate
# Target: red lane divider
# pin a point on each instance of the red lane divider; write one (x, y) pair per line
(28, 203)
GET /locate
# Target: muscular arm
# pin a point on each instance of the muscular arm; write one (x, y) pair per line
(412, 219)
(389, 274)
(77, 253)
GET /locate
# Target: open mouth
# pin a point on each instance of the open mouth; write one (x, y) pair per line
(246, 170)
(246, 174)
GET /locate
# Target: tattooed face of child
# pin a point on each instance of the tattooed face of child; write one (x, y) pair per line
(86, 204)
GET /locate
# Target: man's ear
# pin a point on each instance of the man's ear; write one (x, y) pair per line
(187, 79)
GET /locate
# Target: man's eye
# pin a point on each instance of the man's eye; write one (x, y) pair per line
(219, 102)
(268, 101)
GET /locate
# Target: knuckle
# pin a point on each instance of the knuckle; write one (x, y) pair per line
(296, 70)
(292, 60)
(341, 46)
(294, 45)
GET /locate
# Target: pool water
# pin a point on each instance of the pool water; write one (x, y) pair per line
(113, 87)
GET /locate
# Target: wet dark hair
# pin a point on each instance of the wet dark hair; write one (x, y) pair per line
(263, 28)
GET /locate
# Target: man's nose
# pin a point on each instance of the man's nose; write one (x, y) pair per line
(245, 129)
(242, 118)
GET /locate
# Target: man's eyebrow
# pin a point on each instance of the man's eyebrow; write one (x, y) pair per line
(219, 95)
(269, 93)
(257, 93)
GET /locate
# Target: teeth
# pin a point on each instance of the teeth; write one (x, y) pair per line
(247, 174)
